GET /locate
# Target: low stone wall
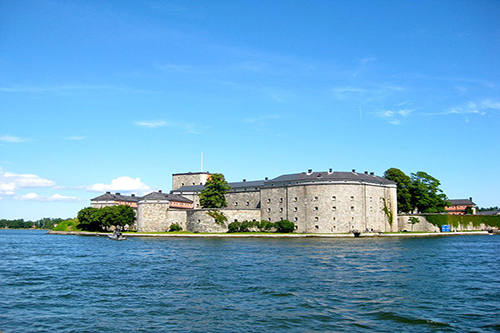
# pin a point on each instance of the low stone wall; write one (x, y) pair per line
(199, 221)
(422, 225)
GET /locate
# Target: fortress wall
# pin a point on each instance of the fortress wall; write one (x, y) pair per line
(243, 199)
(152, 217)
(423, 225)
(199, 221)
(188, 179)
(273, 201)
(329, 208)
(177, 216)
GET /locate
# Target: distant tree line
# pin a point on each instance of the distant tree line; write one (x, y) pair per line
(99, 219)
(418, 193)
(44, 223)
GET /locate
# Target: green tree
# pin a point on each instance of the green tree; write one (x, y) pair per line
(404, 184)
(213, 195)
(426, 196)
(89, 219)
(95, 219)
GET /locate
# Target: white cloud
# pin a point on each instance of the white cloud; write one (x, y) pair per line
(7, 188)
(54, 197)
(479, 108)
(151, 124)
(122, 184)
(186, 127)
(369, 94)
(394, 117)
(10, 182)
(12, 139)
(261, 119)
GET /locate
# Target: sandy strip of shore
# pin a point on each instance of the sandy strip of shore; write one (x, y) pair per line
(250, 235)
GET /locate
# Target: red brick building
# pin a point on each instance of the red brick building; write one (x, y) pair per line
(459, 206)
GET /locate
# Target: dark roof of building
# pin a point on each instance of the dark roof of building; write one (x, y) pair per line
(165, 196)
(461, 202)
(334, 176)
(247, 184)
(489, 212)
(299, 177)
(234, 186)
(108, 196)
(191, 173)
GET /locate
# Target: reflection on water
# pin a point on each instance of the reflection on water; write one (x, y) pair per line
(53, 283)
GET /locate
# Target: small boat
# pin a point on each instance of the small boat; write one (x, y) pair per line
(117, 236)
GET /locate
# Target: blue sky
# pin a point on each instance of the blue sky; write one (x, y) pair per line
(119, 95)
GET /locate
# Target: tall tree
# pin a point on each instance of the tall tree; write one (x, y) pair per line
(404, 184)
(426, 195)
(213, 195)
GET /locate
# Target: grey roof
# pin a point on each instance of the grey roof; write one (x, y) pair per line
(116, 197)
(249, 184)
(489, 212)
(234, 186)
(298, 177)
(461, 202)
(165, 196)
(334, 176)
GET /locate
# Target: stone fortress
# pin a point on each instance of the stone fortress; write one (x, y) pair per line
(317, 202)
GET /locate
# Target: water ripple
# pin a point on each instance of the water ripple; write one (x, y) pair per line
(91, 284)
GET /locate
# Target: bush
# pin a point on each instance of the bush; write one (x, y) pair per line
(265, 225)
(284, 226)
(175, 227)
(234, 227)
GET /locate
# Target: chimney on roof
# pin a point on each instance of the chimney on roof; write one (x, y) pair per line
(310, 171)
(330, 171)
(117, 193)
(159, 191)
(244, 180)
(132, 195)
(372, 173)
(108, 192)
(470, 198)
(366, 172)
(353, 170)
(266, 178)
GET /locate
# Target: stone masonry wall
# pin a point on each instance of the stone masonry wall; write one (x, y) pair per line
(423, 225)
(243, 199)
(189, 179)
(330, 208)
(199, 221)
(152, 217)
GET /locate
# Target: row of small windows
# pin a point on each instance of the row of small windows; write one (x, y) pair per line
(295, 209)
(246, 203)
(315, 198)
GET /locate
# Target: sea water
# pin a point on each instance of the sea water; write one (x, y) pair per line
(56, 283)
